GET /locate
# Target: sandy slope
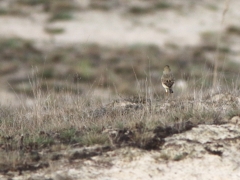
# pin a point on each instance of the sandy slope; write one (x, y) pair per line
(181, 27)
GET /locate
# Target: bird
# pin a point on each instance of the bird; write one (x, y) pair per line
(167, 79)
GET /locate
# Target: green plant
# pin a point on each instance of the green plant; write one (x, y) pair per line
(69, 136)
(54, 30)
(61, 16)
(163, 5)
(32, 2)
(139, 10)
(233, 30)
(179, 157)
(84, 69)
(92, 138)
(164, 156)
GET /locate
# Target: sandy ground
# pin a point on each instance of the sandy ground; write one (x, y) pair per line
(146, 167)
(181, 27)
(142, 166)
(131, 163)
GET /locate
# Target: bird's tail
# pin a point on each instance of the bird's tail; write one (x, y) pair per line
(170, 90)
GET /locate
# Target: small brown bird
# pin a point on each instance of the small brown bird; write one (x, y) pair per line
(167, 79)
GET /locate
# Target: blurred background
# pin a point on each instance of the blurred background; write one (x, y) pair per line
(111, 48)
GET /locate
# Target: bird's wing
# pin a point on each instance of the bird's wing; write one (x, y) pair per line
(167, 80)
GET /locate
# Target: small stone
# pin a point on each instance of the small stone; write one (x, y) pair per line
(235, 120)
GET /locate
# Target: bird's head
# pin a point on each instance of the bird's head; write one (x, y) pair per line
(166, 69)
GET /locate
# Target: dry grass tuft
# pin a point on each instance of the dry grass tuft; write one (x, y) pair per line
(58, 120)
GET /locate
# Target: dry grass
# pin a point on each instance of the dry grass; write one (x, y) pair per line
(64, 113)
(58, 122)
(68, 118)
(125, 70)
(219, 40)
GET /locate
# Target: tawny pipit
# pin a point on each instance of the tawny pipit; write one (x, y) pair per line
(167, 79)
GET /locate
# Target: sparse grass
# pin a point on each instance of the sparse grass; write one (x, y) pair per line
(3, 11)
(69, 135)
(152, 7)
(209, 37)
(125, 69)
(233, 30)
(85, 70)
(52, 5)
(57, 120)
(32, 2)
(212, 7)
(13, 10)
(64, 112)
(100, 5)
(61, 120)
(39, 142)
(179, 157)
(165, 157)
(94, 138)
(54, 30)
(195, 112)
(163, 5)
(235, 111)
(14, 44)
(61, 16)
(62, 5)
(138, 10)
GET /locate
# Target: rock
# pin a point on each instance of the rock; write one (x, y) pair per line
(235, 120)
(213, 139)
(181, 84)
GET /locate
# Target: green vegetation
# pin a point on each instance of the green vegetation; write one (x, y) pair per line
(179, 157)
(61, 16)
(54, 30)
(139, 10)
(33, 2)
(122, 69)
(233, 30)
(163, 5)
